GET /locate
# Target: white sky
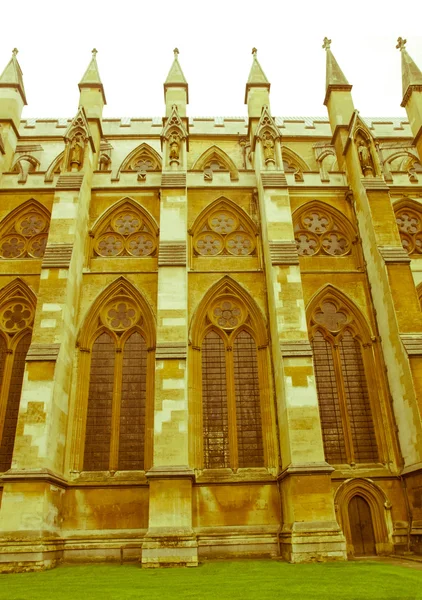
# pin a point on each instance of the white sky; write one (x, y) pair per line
(135, 41)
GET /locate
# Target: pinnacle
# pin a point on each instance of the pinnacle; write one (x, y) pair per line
(12, 75)
(257, 75)
(411, 74)
(175, 74)
(334, 75)
(92, 74)
(91, 77)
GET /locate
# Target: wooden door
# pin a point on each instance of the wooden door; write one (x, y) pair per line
(361, 527)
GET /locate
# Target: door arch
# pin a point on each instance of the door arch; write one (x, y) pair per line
(361, 527)
(379, 510)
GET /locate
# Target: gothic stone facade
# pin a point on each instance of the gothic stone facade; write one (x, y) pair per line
(210, 330)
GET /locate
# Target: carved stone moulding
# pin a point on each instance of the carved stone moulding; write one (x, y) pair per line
(296, 348)
(57, 255)
(172, 254)
(69, 182)
(27, 148)
(173, 180)
(272, 180)
(176, 350)
(284, 253)
(394, 254)
(412, 344)
(41, 352)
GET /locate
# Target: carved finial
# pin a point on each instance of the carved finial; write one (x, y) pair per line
(254, 52)
(327, 43)
(15, 51)
(94, 52)
(401, 43)
(176, 52)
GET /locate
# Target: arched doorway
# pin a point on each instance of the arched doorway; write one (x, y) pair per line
(361, 527)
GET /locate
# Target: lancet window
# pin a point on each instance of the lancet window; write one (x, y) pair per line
(24, 233)
(125, 231)
(232, 390)
(409, 222)
(16, 318)
(341, 368)
(119, 366)
(224, 230)
(320, 230)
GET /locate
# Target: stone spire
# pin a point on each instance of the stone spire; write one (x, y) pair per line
(411, 74)
(335, 78)
(257, 77)
(91, 78)
(12, 76)
(176, 89)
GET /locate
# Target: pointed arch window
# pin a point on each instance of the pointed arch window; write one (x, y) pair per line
(125, 231)
(120, 368)
(223, 230)
(16, 318)
(215, 159)
(24, 232)
(142, 159)
(231, 398)
(343, 391)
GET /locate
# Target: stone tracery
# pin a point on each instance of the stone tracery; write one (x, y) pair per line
(24, 232)
(318, 230)
(125, 232)
(409, 222)
(224, 232)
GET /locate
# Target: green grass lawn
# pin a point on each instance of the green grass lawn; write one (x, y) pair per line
(260, 579)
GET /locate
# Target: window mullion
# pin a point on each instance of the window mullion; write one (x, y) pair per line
(343, 404)
(5, 387)
(231, 408)
(115, 410)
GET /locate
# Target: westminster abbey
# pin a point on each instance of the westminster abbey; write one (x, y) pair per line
(210, 329)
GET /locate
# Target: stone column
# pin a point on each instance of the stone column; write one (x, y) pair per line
(309, 529)
(12, 101)
(30, 537)
(170, 539)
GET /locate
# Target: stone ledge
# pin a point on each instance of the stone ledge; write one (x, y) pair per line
(170, 472)
(273, 180)
(57, 255)
(296, 348)
(173, 180)
(307, 469)
(69, 182)
(284, 253)
(24, 475)
(177, 350)
(38, 352)
(172, 254)
(412, 344)
(394, 254)
(375, 183)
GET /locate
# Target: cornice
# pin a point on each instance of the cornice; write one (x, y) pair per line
(417, 136)
(336, 88)
(336, 131)
(16, 131)
(411, 88)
